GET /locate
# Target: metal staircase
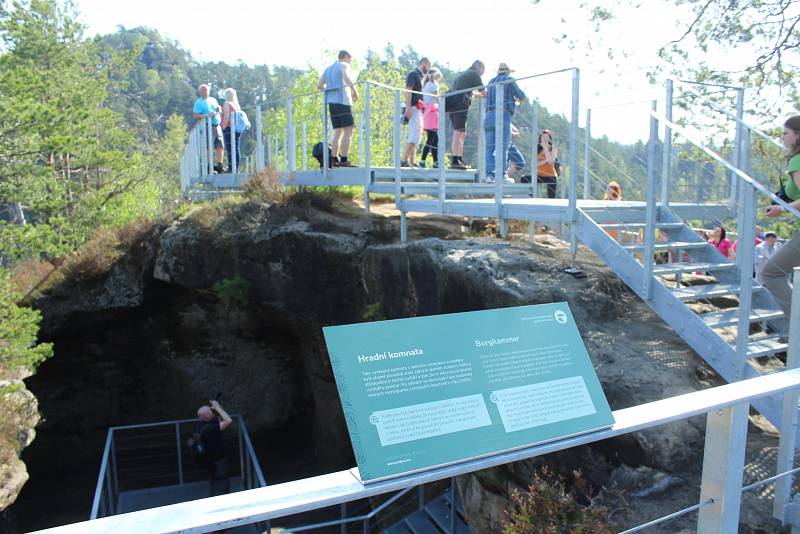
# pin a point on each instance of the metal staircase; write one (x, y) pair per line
(710, 333)
(434, 518)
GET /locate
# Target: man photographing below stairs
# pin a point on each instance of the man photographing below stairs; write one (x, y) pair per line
(215, 457)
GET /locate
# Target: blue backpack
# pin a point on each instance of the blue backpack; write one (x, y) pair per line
(242, 122)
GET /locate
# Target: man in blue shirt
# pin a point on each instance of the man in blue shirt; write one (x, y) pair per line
(511, 94)
(208, 107)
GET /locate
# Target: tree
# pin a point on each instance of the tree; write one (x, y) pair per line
(762, 36)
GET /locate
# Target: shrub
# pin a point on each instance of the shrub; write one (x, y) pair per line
(94, 258)
(550, 508)
(19, 327)
(232, 291)
(264, 186)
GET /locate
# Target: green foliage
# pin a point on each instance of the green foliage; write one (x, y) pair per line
(373, 312)
(232, 291)
(18, 329)
(549, 507)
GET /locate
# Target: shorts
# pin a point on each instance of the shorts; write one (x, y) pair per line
(457, 107)
(341, 115)
(459, 120)
(415, 126)
(216, 136)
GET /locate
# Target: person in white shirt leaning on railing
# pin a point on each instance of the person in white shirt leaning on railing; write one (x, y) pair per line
(776, 272)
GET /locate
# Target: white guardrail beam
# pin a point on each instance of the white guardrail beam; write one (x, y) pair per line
(246, 507)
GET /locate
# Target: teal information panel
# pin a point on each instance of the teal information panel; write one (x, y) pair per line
(429, 391)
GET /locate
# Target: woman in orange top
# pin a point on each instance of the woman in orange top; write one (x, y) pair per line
(613, 191)
(548, 164)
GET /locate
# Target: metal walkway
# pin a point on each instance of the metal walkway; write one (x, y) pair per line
(734, 341)
(649, 242)
(149, 465)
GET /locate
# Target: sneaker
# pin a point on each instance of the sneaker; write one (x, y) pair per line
(435, 165)
(347, 163)
(404, 164)
(421, 164)
(458, 165)
(489, 179)
(508, 180)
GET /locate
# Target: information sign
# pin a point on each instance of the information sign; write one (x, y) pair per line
(430, 391)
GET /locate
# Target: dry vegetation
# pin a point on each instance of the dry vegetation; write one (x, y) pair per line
(93, 259)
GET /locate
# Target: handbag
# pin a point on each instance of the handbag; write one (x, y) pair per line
(781, 194)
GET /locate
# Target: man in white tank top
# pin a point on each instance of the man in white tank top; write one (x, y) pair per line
(340, 93)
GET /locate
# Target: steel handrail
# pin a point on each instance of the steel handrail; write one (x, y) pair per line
(98, 492)
(251, 453)
(356, 518)
(716, 107)
(738, 172)
(334, 488)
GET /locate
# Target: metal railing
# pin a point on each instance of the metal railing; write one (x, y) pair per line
(726, 408)
(155, 455)
(199, 155)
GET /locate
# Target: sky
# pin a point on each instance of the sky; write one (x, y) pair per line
(450, 32)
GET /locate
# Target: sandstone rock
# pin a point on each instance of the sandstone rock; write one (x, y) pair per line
(150, 339)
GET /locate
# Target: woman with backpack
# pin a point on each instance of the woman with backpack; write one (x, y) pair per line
(230, 115)
(777, 271)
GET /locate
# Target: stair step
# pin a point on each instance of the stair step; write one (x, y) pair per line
(459, 509)
(708, 291)
(764, 346)
(673, 245)
(660, 226)
(420, 523)
(397, 528)
(672, 268)
(731, 317)
(439, 511)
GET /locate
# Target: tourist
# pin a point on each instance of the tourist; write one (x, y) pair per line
(413, 113)
(613, 191)
(516, 161)
(457, 108)
(430, 118)
(720, 242)
(511, 95)
(229, 109)
(763, 252)
(207, 107)
(777, 270)
(215, 458)
(548, 165)
(340, 93)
